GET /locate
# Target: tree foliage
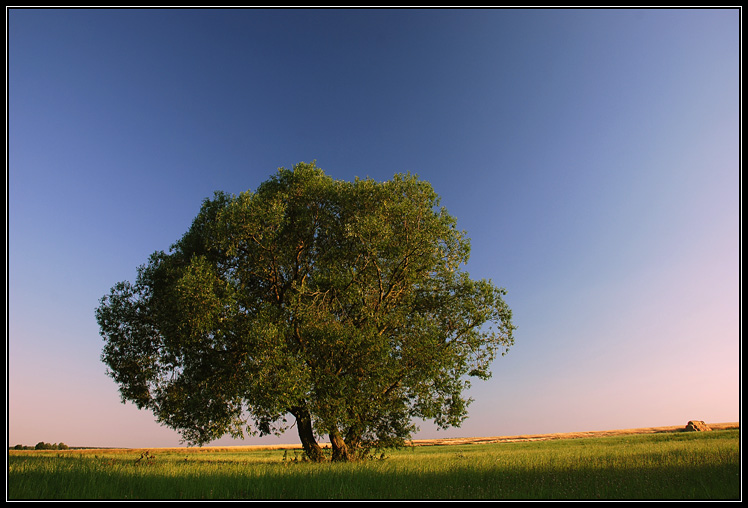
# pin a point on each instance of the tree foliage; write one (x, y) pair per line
(340, 303)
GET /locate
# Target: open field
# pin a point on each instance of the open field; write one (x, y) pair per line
(658, 463)
(567, 435)
(463, 440)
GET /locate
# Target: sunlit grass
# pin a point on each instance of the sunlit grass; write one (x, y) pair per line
(659, 466)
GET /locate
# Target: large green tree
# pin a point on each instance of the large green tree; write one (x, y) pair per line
(341, 304)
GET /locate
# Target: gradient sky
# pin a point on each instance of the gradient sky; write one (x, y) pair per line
(592, 156)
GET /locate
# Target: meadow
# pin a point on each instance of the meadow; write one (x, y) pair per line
(669, 465)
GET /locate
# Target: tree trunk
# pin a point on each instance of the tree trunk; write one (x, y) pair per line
(340, 452)
(306, 434)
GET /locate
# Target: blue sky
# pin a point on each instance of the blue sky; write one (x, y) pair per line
(592, 156)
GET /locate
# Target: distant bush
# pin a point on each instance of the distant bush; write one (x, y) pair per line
(41, 445)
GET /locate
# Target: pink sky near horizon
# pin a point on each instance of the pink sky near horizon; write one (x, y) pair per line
(582, 385)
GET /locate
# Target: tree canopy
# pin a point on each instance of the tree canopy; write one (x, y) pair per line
(341, 304)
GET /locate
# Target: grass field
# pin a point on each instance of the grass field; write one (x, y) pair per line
(666, 465)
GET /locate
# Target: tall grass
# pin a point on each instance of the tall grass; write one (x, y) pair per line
(655, 466)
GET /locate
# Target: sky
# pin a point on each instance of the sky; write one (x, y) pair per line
(592, 156)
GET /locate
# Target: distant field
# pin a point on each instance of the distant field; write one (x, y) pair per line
(628, 464)
(568, 435)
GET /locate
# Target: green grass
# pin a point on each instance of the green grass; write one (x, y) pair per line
(653, 466)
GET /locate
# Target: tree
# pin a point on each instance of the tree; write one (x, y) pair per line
(339, 303)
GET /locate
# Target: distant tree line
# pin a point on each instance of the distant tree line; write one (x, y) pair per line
(41, 445)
